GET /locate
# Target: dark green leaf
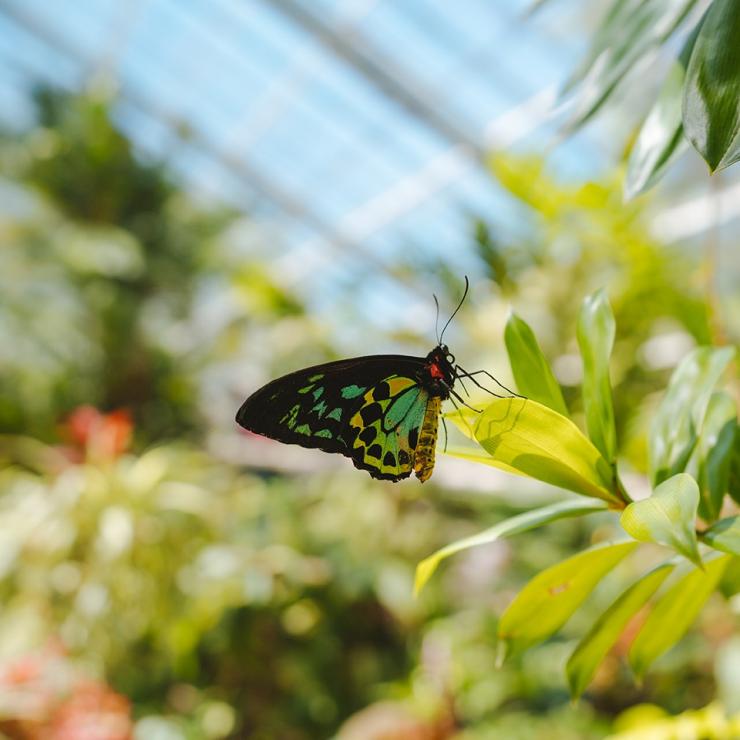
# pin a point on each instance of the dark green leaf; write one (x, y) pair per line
(680, 416)
(711, 102)
(710, 461)
(596, 339)
(733, 484)
(531, 370)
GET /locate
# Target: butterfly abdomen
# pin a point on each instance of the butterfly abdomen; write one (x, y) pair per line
(424, 458)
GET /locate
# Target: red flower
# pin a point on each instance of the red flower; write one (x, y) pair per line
(102, 436)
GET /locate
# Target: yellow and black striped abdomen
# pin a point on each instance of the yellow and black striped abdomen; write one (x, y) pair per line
(425, 448)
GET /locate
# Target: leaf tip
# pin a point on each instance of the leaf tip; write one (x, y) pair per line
(424, 571)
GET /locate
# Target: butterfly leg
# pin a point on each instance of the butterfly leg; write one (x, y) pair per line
(444, 426)
(464, 387)
(462, 372)
(454, 394)
(459, 413)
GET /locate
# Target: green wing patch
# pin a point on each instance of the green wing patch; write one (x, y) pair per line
(386, 426)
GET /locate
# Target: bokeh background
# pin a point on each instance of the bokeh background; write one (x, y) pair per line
(196, 196)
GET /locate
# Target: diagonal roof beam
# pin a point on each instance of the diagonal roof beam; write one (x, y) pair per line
(390, 80)
(253, 179)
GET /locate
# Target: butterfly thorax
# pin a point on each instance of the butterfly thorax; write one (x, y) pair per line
(438, 374)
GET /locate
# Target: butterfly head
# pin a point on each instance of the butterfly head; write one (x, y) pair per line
(440, 370)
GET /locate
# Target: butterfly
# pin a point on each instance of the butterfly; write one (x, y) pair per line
(381, 411)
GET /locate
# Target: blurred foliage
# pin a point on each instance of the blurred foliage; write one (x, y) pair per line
(698, 102)
(102, 276)
(226, 602)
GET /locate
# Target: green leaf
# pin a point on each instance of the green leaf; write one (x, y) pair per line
(631, 29)
(532, 372)
(724, 535)
(667, 517)
(596, 340)
(729, 584)
(733, 484)
(680, 416)
(601, 637)
(712, 455)
(711, 101)
(537, 442)
(661, 139)
(674, 614)
(546, 603)
(516, 524)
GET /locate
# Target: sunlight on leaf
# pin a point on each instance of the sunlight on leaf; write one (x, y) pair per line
(667, 517)
(531, 370)
(661, 139)
(592, 649)
(540, 443)
(516, 524)
(631, 30)
(674, 613)
(546, 603)
(596, 339)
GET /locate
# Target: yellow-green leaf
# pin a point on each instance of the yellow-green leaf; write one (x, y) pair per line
(596, 338)
(667, 517)
(596, 644)
(516, 524)
(546, 603)
(674, 613)
(531, 370)
(538, 442)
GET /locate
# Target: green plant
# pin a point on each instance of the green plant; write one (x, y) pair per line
(691, 451)
(699, 101)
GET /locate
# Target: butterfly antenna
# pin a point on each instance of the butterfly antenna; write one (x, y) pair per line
(459, 306)
(436, 320)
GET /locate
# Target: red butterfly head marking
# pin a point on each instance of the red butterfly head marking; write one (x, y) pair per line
(440, 368)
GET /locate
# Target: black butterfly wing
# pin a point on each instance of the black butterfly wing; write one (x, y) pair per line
(367, 408)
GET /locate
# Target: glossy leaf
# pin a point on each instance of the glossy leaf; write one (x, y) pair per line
(605, 632)
(540, 443)
(631, 29)
(532, 372)
(516, 524)
(674, 613)
(546, 603)
(711, 102)
(596, 339)
(667, 517)
(661, 139)
(680, 416)
(724, 535)
(733, 484)
(712, 456)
